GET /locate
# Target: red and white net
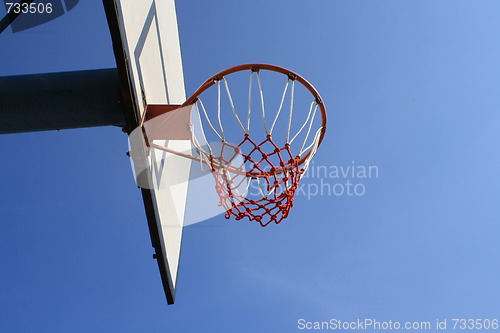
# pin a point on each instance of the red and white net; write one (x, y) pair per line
(256, 158)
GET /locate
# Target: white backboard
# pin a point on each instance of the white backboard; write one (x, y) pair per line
(147, 50)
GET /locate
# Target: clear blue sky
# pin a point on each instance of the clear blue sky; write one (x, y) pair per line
(411, 87)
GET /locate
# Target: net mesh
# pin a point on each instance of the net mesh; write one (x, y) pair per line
(278, 183)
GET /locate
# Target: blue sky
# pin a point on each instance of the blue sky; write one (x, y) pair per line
(411, 87)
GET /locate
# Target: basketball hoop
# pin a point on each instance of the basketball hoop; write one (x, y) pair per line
(254, 159)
